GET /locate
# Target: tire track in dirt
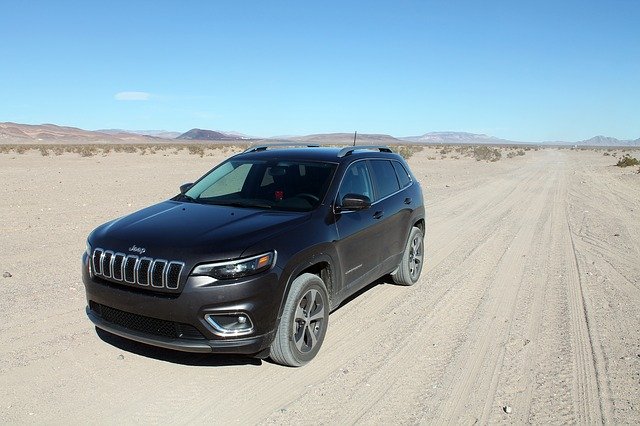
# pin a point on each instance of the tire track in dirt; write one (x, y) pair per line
(474, 375)
(606, 256)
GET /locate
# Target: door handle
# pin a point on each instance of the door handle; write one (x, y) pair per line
(408, 200)
(378, 214)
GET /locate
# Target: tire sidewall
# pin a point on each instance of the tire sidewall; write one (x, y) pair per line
(300, 287)
(406, 272)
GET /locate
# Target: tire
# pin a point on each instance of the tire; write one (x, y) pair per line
(410, 267)
(301, 330)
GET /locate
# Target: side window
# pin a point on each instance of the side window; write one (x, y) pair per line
(356, 181)
(384, 178)
(403, 175)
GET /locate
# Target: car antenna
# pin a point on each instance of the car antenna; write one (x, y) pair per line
(355, 135)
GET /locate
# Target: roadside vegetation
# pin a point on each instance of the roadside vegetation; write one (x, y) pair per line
(455, 152)
(627, 161)
(407, 151)
(92, 150)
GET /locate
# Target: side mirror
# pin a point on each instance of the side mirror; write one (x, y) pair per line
(354, 202)
(185, 187)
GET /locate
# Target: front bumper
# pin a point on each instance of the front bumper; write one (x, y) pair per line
(258, 297)
(244, 345)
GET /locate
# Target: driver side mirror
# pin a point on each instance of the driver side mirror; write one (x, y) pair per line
(185, 187)
(354, 202)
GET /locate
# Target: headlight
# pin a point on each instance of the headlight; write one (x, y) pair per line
(236, 268)
(88, 249)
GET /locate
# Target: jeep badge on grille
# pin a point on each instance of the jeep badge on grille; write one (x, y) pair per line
(139, 250)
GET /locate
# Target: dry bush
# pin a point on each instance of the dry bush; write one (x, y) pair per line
(87, 150)
(627, 161)
(407, 151)
(486, 153)
(196, 150)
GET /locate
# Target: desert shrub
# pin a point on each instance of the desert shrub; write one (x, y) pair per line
(44, 151)
(87, 150)
(627, 160)
(196, 150)
(486, 153)
(407, 151)
(511, 154)
(606, 154)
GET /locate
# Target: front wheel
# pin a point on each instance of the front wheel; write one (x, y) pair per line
(303, 324)
(410, 267)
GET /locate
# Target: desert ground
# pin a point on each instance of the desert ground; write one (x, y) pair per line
(528, 309)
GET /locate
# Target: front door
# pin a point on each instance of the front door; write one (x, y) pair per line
(360, 232)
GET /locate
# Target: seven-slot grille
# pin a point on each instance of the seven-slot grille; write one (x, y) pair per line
(132, 269)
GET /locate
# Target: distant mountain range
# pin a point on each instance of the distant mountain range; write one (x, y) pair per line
(163, 134)
(456, 137)
(12, 133)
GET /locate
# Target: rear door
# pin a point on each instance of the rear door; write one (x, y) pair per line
(395, 211)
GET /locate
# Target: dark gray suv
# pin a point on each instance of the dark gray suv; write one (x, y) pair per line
(252, 257)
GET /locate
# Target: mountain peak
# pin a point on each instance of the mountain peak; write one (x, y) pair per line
(207, 135)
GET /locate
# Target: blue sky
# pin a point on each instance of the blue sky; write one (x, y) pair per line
(519, 70)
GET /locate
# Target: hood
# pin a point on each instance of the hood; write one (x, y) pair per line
(190, 231)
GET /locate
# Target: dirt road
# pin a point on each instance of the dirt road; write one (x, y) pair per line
(530, 300)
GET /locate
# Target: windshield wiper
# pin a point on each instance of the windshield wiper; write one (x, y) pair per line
(237, 203)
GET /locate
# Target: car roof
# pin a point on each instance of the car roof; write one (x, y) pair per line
(318, 153)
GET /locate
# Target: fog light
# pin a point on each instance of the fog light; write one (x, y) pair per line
(231, 324)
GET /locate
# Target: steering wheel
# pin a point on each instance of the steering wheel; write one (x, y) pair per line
(309, 197)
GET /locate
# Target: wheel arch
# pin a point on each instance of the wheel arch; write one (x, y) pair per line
(322, 265)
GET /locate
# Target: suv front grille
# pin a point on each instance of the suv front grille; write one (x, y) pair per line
(132, 269)
(147, 325)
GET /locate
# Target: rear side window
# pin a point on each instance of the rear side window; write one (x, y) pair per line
(403, 175)
(384, 178)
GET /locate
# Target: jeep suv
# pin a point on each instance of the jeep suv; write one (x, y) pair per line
(253, 256)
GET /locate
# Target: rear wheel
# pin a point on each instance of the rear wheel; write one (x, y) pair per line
(410, 267)
(303, 324)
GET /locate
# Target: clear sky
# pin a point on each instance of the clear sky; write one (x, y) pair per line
(520, 70)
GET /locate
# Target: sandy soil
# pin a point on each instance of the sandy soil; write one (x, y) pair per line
(530, 299)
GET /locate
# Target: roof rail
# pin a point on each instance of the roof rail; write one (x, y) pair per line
(277, 145)
(349, 150)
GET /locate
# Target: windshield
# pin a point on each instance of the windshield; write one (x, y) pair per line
(278, 185)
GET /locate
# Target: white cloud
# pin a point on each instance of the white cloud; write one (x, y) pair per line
(132, 96)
